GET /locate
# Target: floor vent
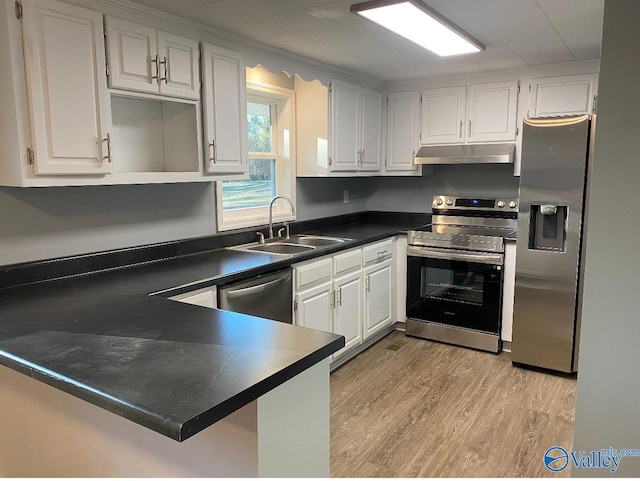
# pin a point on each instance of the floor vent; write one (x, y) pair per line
(395, 347)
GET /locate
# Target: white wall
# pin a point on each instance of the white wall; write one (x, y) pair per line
(414, 194)
(608, 399)
(43, 223)
(323, 197)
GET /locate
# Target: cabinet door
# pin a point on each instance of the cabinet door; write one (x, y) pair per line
(377, 298)
(491, 112)
(403, 120)
(344, 139)
(508, 289)
(202, 297)
(347, 319)
(443, 116)
(371, 126)
(314, 308)
(225, 106)
(66, 83)
(566, 95)
(133, 59)
(179, 75)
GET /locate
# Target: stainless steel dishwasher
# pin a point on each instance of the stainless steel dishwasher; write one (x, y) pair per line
(269, 296)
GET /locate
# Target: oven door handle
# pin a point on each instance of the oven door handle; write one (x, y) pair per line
(457, 255)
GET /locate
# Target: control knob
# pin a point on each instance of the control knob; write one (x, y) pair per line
(450, 202)
(512, 204)
(501, 204)
(439, 201)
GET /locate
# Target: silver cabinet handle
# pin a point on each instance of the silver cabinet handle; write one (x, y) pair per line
(107, 139)
(157, 75)
(166, 70)
(212, 145)
(461, 129)
(469, 128)
(340, 296)
(367, 281)
(332, 299)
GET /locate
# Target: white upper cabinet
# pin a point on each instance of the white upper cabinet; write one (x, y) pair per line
(225, 110)
(491, 112)
(403, 130)
(345, 125)
(356, 128)
(565, 95)
(443, 115)
(178, 66)
(147, 60)
(468, 114)
(371, 131)
(66, 88)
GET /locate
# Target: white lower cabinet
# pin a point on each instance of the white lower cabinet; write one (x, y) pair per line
(378, 298)
(313, 307)
(337, 294)
(347, 314)
(508, 289)
(206, 297)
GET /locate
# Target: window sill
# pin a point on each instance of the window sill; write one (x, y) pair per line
(254, 221)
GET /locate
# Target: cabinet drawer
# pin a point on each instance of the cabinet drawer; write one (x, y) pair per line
(313, 273)
(378, 251)
(347, 261)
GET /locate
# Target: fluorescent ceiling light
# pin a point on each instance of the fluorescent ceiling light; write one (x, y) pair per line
(415, 21)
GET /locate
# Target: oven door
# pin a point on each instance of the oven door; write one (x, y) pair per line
(455, 288)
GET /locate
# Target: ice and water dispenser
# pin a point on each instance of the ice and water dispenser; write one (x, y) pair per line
(548, 227)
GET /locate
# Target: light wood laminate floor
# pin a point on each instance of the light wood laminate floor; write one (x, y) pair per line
(409, 407)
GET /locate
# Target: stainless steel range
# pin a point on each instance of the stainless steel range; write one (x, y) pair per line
(454, 271)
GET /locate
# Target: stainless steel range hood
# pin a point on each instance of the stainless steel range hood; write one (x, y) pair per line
(466, 154)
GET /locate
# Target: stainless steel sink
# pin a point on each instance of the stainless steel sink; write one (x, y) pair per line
(317, 240)
(297, 244)
(280, 248)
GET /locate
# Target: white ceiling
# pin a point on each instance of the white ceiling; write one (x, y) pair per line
(517, 33)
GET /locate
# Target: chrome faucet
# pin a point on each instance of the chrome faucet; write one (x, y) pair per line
(293, 211)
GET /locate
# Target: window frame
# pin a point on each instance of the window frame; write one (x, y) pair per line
(282, 102)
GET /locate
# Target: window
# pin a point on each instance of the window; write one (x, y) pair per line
(245, 201)
(260, 187)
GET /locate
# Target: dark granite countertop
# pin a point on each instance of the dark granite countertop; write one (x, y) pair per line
(172, 367)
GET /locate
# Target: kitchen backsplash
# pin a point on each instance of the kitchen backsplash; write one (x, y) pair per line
(414, 194)
(53, 222)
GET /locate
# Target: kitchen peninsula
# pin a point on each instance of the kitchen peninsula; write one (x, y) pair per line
(173, 389)
(246, 396)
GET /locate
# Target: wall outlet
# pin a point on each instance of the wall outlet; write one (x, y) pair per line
(345, 196)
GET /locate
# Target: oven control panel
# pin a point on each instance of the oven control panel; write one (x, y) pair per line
(447, 202)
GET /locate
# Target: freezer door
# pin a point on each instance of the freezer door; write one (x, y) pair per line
(552, 185)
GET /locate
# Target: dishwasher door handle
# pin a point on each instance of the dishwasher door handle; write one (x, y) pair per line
(248, 291)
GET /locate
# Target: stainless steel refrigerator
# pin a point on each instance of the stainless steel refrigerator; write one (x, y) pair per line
(553, 182)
